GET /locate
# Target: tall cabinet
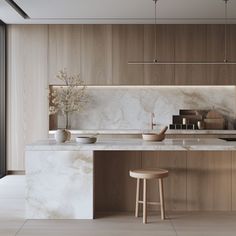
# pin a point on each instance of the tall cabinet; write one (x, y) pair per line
(27, 90)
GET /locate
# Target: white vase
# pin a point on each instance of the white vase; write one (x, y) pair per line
(62, 135)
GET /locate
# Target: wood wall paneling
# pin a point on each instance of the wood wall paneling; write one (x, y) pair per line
(175, 188)
(27, 90)
(190, 45)
(64, 50)
(209, 180)
(114, 188)
(159, 74)
(127, 45)
(96, 54)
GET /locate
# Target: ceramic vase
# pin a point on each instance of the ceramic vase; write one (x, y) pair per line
(62, 135)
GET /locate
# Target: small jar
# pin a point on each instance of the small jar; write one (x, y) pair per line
(184, 121)
(200, 124)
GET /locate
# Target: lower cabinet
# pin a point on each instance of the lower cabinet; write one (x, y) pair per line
(198, 180)
(209, 180)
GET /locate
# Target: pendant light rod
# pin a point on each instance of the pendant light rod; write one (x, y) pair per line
(226, 23)
(156, 61)
(179, 63)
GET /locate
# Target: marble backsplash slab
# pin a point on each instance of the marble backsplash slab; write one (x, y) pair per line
(129, 107)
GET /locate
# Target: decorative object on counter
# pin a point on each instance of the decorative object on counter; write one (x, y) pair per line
(200, 125)
(86, 140)
(214, 120)
(152, 120)
(69, 98)
(188, 119)
(155, 137)
(62, 135)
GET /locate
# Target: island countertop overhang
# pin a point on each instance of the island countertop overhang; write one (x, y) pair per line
(187, 144)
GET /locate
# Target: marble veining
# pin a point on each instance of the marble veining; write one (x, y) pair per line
(59, 185)
(129, 108)
(59, 177)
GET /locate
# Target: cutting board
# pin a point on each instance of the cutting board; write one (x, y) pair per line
(214, 120)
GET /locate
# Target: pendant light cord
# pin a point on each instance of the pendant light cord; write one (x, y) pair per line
(155, 59)
(226, 23)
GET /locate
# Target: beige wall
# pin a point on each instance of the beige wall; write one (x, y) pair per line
(100, 53)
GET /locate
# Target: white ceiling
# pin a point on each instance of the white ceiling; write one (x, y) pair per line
(117, 11)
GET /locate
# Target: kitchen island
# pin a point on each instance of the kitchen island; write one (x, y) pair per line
(65, 181)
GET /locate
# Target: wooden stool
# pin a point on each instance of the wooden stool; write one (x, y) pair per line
(145, 174)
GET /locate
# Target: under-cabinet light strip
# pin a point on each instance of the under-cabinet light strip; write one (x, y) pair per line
(154, 86)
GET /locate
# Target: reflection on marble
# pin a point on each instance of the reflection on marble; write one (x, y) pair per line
(123, 108)
(59, 185)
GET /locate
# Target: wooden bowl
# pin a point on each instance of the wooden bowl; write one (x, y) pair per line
(86, 140)
(152, 137)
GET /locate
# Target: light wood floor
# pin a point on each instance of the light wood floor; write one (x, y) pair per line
(12, 221)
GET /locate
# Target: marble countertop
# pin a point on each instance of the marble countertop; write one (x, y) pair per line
(203, 144)
(133, 131)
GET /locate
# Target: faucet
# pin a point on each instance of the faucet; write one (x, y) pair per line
(152, 121)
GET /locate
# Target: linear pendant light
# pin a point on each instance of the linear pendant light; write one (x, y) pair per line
(156, 61)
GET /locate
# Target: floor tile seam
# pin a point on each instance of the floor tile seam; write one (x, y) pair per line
(173, 226)
(21, 227)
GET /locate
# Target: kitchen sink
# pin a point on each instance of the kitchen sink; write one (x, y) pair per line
(228, 139)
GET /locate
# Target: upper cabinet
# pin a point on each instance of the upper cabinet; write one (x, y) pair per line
(64, 50)
(221, 74)
(190, 46)
(100, 53)
(216, 74)
(96, 54)
(159, 74)
(127, 45)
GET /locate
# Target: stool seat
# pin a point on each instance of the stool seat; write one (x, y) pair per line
(151, 173)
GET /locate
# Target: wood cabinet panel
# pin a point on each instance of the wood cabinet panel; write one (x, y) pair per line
(190, 45)
(127, 45)
(96, 54)
(233, 181)
(232, 54)
(175, 188)
(27, 90)
(159, 74)
(218, 74)
(114, 188)
(209, 180)
(64, 50)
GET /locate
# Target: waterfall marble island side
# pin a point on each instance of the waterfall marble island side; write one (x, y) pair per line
(60, 177)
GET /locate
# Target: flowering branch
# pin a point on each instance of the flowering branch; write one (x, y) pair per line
(70, 98)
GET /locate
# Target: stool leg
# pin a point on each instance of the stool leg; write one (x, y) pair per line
(137, 198)
(161, 191)
(144, 201)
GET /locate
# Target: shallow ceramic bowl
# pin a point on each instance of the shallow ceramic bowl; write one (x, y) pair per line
(86, 140)
(153, 137)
